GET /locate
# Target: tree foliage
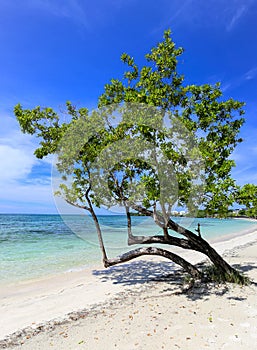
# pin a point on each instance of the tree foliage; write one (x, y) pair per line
(215, 122)
(247, 196)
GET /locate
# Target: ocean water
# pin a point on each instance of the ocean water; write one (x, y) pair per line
(32, 246)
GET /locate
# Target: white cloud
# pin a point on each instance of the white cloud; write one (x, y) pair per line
(27, 198)
(15, 163)
(16, 152)
(19, 186)
(236, 17)
(29, 193)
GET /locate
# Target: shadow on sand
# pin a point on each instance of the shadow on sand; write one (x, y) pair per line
(137, 272)
(173, 280)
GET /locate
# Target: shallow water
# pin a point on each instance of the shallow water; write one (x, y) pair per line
(32, 246)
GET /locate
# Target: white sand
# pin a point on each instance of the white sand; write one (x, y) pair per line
(124, 309)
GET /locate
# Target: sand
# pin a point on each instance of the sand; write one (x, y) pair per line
(130, 307)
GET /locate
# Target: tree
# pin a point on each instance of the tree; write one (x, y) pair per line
(247, 195)
(172, 144)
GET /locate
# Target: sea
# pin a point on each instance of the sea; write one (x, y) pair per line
(36, 246)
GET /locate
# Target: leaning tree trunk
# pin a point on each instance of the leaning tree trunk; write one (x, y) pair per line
(191, 241)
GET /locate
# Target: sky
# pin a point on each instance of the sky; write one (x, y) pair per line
(58, 50)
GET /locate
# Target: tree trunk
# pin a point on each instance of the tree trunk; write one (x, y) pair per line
(192, 241)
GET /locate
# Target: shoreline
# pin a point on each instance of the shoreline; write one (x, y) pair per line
(98, 265)
(246, 235)
(42, 305)
(231, 236)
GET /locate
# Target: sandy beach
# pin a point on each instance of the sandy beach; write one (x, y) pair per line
(138, 305)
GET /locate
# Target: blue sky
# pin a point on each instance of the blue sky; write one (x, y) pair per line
(53, 51)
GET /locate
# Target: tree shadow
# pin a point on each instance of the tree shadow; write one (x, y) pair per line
(245, 268)
(169, 276)
(204, 290)
(173, 279)
(237, 298)
(137, 272)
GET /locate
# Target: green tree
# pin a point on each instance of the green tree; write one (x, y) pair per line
(156, 164)
(247, 195)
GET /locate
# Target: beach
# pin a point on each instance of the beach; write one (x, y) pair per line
(138, 305)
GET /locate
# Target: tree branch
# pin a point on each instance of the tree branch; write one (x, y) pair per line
(171, 224)
(191, 269)
(77, 205)
(156, 218)
(97, 225)
(179, 242)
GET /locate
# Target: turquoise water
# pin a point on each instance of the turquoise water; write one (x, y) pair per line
(32, 246)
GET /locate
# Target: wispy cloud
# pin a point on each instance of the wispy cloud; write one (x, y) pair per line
(251, 74)
(225, 86)
(242, 79)
(245, 156)
(71, 9)
(204, 14)
(236, 17)
(181, 10)
(33, 198)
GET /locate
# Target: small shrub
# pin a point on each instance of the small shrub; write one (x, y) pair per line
(212, 274)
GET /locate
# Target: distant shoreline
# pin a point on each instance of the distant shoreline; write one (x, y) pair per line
(132, 214)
